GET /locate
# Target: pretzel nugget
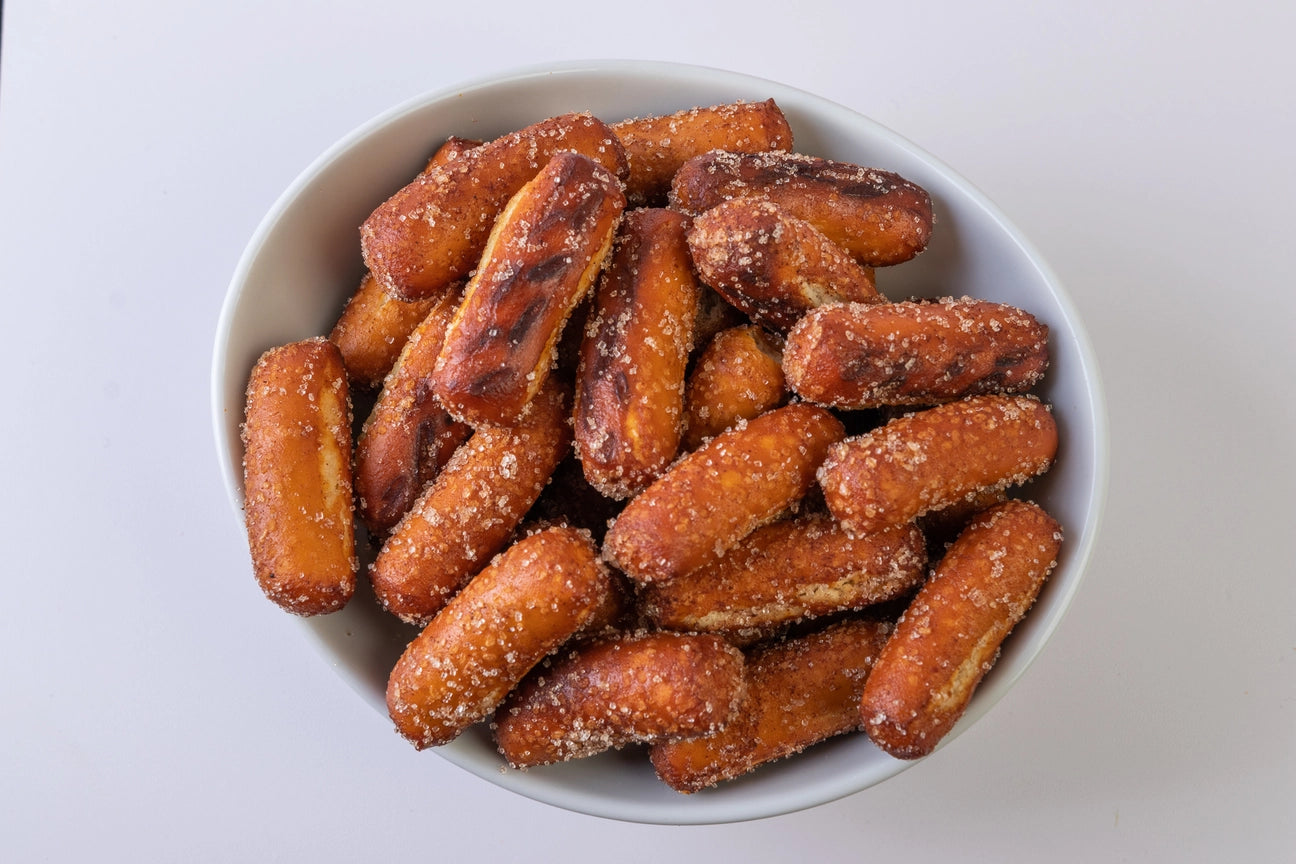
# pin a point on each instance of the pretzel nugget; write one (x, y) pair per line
(772, 265)
(879, 217)
(738, 376)
(788, 571)
(469, 510)
(525, 604)
(630, 386)
(799, 692)
(541, 260)
(372, 330)
(297, 477)
(639, 687)
(857, 356)
(929, 459)
(713, 497)
(950, 635)
(453, 148)
(408, 435)
(431, 233)
(657, 146)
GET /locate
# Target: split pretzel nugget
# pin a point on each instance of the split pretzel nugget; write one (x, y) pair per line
(738, 376)
(618, 690)
(878, 216)
(630, 386)
(929, 459)
(542, 258)
(530, 600)
(470, 509)
(297, 477)
(852, 355)
(788, 571)
(772, 265)
(950, 635)
(711, 498)
(431, 233)
(656, 147)
(799, 692)
(408, 435)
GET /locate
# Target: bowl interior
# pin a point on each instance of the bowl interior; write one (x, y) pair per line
(304, 261)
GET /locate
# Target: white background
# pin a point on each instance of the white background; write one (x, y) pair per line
(156, 708)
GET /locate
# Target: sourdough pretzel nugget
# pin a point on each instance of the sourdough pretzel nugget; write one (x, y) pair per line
(470, 509)
(630, 386)
(525, 604)
(621, 689)
(543, 256)
(738, 376)
(372, 330)
(713, 497)
(950, 635)
(408, 434)
(879, 217)
(297, 477)
(656, 147)
(788, 571)
(929, 459)
(799, 692)
(431, 233)
(772, 265)
(453, 148)
(852, 355)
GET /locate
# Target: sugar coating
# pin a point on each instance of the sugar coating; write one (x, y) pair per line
(929, 459)
(877, 216)
(713, 497)
(629, 687)
(855, 355)
(950, 634)
(525, 604)
(789, 571)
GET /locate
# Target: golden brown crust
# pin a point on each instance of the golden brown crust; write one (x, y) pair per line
(431, 233)
(738, 376)
(950, 635)
(408, 435)
(713, 497)
(470, 509)
(372, 329)
(878, 216)
(930, 459)
(853, 355)
(525, 604)
(630, 386)
(788, 571)
(772, 265)
(613, 691)
(799, 692)
(297, 477)
(541, 260)
(657, 146)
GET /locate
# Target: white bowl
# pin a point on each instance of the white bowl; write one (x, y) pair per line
(304, 261)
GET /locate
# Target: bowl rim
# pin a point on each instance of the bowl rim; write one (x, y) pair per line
(700, 808)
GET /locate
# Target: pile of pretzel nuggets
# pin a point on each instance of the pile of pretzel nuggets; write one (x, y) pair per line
(650, 459)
